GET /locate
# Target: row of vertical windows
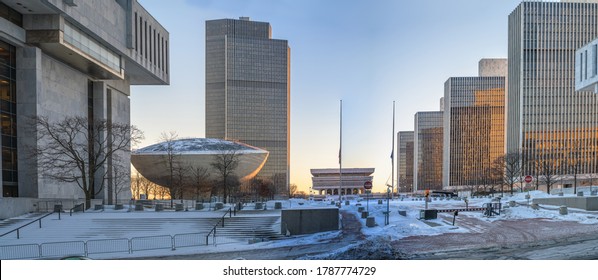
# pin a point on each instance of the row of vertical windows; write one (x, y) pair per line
(8, 120)
(150, 44)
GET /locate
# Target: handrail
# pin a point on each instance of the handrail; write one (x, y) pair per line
(81, 205)
(230, 212)
(17, 229)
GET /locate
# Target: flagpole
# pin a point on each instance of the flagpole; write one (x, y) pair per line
(340, 158)
(392, 159)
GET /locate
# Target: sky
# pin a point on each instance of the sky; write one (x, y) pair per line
(366, 53)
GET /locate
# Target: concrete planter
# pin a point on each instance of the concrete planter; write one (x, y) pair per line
(347, 202)
(364, 214)
(512, 203)
(370, 222)
(258, 206)
(278, 205)
(138, 207)
(178, 207)
(218, 205)
(403, 213)
(563, 210)
(199, 206)
(159, 207)
(118, 207)
(360, 209)
(579, 193)
(98, 207)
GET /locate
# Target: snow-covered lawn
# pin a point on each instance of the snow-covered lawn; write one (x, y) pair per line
(93, 225)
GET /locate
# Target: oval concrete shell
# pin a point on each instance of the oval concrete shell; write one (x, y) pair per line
(151, 161)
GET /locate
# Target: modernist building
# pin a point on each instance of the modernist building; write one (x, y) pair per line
(474, 124)
(195, 153)
(63, 58)
(328, 181)
(405, 161)
(427, 151)
(586, 67)
(547, 121)
(248, 90)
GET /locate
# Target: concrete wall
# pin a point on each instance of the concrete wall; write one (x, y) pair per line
(585, 203)
(16, 206)
(305, 221)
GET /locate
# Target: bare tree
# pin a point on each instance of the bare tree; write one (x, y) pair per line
(573, 163)
(200, 181)
(511, 169)
(76, 150)
(136, 186)
(170, 158)
(120, 180)
(547, 171)
(225, 164)
(180, 181)
(292, 190)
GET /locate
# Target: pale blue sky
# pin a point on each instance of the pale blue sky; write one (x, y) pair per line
(367, 53)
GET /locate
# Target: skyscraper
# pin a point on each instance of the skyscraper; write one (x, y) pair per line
(248, 90)
(474, 124)
(547, 121)
(405, 161)
(427, 151)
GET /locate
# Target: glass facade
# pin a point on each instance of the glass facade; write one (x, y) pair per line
(428, 140)
(474, 128)
(248, 90)
(405, 161)
(546, 119)
(8, 115)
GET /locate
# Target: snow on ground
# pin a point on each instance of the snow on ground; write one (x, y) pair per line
(89, 225)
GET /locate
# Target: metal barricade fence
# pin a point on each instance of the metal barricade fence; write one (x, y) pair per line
(188, 240)
(15, 252)
(151, 243)
(121, 245)
(60, 249)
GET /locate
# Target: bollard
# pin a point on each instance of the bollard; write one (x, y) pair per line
(370, 222)
(563, 210)
(347, 202)
(364, 214)
(379, 201)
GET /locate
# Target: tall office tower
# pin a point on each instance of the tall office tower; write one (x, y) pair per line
(70, 59)
(248, 90)
(427, 151)
(405, 161)
(474, 124)
(547, 121)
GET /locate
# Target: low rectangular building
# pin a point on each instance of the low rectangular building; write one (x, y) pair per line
(327, 181)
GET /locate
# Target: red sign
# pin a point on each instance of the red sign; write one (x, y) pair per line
(367, 185)
(528, 179)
